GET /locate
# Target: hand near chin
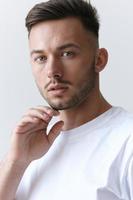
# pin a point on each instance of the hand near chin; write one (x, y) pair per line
(29, 139)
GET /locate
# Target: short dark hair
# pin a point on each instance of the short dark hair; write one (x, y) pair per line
(60, 9)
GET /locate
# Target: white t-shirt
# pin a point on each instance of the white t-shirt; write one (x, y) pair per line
(90, 162)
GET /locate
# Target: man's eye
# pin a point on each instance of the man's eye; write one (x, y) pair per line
(68, 54)
(40, 59)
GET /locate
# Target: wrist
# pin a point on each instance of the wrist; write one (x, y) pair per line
(17, 163)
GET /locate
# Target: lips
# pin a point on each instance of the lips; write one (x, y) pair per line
(56, 87)
(57, 90)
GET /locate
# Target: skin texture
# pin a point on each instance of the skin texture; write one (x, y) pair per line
(66, 62)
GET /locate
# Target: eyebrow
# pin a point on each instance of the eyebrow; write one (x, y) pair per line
(36, 52)
(62, 47)
(65, 46)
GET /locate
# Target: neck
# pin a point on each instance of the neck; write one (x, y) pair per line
(85, 112)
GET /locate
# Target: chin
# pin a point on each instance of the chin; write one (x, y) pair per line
(59, 106)
(64, 103)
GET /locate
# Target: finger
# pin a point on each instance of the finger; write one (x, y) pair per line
(55, 131)
(41, 125)
(34, 117)
(38, 114)
(32, 131)
(44, 113)
(28, 120)
(50, 111)
(29, 123)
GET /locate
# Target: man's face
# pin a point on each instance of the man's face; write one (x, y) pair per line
(63, 62)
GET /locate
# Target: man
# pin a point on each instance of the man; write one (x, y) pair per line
(80, 147)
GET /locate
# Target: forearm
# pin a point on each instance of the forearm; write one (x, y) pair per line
(11, 173)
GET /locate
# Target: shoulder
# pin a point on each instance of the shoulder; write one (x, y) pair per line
(122, 120)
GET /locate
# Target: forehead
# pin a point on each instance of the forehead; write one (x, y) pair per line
(53, 33)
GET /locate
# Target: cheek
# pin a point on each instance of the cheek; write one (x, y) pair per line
(85, 76)
(39, 77)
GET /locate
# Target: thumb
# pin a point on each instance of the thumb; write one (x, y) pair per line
(55, 131)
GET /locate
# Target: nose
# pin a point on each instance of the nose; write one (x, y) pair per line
(54, 68)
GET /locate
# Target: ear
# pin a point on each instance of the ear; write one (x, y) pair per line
(101, 60)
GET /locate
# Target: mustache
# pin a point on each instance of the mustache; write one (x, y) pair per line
(57, 81)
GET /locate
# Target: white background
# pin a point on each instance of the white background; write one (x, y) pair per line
(17, 88)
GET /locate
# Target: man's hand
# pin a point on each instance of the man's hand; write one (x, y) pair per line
(30, 140)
